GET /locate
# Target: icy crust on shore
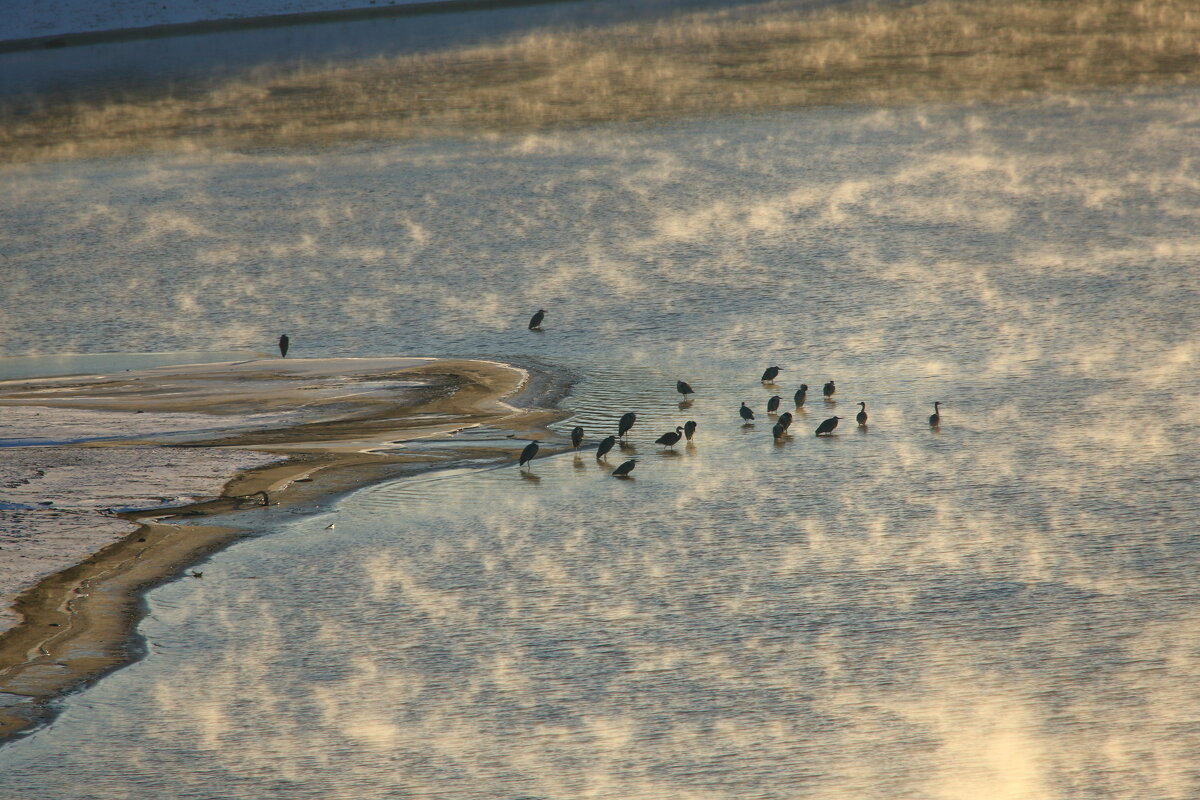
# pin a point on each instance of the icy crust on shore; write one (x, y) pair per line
(32, 18)
(75, 450)
(55, 502)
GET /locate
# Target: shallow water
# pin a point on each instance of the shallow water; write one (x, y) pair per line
(1003, 607)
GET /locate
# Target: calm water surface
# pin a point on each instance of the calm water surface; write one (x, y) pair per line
(1002, 608)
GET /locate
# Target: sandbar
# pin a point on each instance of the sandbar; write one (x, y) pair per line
(130, 469)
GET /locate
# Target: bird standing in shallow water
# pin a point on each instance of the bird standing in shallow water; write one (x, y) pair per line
(770, 374)
(785, 419)
(535, 322)
(862, 415)
(684, 388)
(935, 418)
(576, 436)
(528, 453)
(829, 390)
(671, 438)
(827, 426)
(625, 423)
(746, 413)
(606, 444)
(626, 468)
(777, 430)
(284, 344)
(801, 394)
(773, 404)
(689, 429)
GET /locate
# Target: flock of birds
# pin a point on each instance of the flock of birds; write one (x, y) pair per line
(688, 429)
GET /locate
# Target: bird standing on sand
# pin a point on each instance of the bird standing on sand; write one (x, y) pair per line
(576, 436)
(773, 404)
(746, 413)
(827, 426)
(625, 423)
(935, 418)
(535, 322)
(606, 444)
(684, 388)
(862, 415)
(528, 453)
(801, 394)
(689, 429)
(626, 468)
(671, 438)
(785, 419)
(770, 373)
(284, 344)
(829, 390)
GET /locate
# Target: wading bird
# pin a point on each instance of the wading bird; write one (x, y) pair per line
(862, 415)
(801, 394)
(535, 322)
(773, 404)
(689, 429)
(606, 444)
(785, 419)
(671, 438)
(935, 418)
(746, 413)
(777, 430)
(284, 344)
(626, 468)
(576, 436)
(770, 374)
(829, 390)
(827, 426)
(528, 453)
(625, 423)
(684, 388)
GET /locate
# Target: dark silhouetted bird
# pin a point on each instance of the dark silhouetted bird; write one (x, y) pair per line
(862, 415)
(935, 418)
(284, 344)
(535, 322)
(746, 413)
(625, 423)
(684, 388)
(785, 419)
(576, 436)
(606, 444)
(801, 394)
(829, 390)
(528, 453)
(773, 404)
(827, 426)
(626, 468)
(672, 438)
(777, 430)
(770, 374)
(689, 429)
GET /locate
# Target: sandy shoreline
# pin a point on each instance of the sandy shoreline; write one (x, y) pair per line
(348, 427)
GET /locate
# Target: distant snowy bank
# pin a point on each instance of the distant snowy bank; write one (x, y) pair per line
(31, 19)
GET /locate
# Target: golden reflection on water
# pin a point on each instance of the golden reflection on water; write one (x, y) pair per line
(746, 59)
(903, 711)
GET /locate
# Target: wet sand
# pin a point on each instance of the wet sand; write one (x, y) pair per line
(351, 426)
